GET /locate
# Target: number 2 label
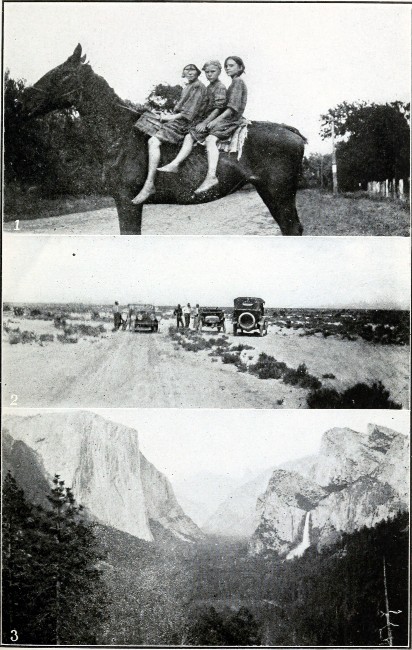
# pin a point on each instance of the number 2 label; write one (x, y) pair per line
(13, 400)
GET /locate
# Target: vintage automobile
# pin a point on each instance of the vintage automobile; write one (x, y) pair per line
(212, 317)
(143, 317)
(249, 316)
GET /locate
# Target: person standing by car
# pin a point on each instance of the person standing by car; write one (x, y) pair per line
(132, 317)
(186, 313)
(178, 313)
(196, 318)
(117, 319)
(125, 318)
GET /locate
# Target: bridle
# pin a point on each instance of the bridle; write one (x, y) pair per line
(77, 88)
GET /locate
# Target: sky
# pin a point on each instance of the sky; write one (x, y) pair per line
(285, 272)
(235, 442)
(301, 59)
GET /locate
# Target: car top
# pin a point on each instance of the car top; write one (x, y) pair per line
(248, 302)
(140, 307)
(202, 309)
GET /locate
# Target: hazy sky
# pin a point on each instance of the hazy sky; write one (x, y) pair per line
(235, 442)
(301, 59)
(286, 272)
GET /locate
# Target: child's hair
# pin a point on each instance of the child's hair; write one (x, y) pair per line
(191, 65)
(239, 61)
(213, 62)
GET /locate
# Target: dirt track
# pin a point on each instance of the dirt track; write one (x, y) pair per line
(242, 213)
(239, 214)
(148, 371)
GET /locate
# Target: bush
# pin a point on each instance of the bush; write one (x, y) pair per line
(84, 330)
(229, 357)
(46, 337)
(301, 377)
(359, 396)
(267, 367)
(67, 339)
(240, 347)
(328, 375)
(22, 337)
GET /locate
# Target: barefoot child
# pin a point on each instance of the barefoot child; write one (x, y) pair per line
(224, 125)
(215, 103)
(175, 126)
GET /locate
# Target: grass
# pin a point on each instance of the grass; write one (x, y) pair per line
(354, 213)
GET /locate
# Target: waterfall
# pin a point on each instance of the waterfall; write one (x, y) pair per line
(299, 550)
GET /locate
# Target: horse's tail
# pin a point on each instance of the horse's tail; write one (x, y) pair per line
(296, 131)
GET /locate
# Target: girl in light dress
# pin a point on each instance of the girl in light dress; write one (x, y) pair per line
(225, 124)
(215, 104)
(173, 128)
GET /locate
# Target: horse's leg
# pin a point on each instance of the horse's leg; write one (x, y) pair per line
(130, 216)
(281, 206)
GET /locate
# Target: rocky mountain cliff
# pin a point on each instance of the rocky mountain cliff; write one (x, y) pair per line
(101, 461)
(356, 480)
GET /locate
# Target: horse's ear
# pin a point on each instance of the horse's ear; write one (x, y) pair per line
(76, 56)
(83, 58)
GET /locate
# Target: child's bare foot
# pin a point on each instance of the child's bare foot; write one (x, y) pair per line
(144, 194)
(208, 183)
(171, 168)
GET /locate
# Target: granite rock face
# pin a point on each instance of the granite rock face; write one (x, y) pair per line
(356, 480)
(101, 461)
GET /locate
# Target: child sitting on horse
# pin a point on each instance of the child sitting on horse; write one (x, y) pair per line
(175, 127)
(215, 104)
(224, 125)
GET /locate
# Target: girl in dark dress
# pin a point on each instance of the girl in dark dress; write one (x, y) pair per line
(215, 104)
(224, 125)
(173, 128)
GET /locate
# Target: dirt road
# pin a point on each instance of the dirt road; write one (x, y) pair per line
(242, 213)
(238, 214)
(125, 369)
(131, 370)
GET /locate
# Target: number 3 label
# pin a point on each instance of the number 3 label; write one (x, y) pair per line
(14, 636)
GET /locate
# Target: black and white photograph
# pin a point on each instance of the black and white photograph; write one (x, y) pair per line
(207, 118)
(206, 231)
(215, 322)
(210, 528)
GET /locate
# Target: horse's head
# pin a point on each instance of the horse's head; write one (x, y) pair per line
(59, 88)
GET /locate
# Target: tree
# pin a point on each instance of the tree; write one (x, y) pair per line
(374, 141)
(317, 170)
(54, 592)
(164, 96)
(19, 572)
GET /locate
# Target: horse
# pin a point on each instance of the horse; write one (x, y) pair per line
(271, 158)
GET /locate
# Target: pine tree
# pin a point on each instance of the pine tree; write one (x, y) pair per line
(18, 569)
(53, 589)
